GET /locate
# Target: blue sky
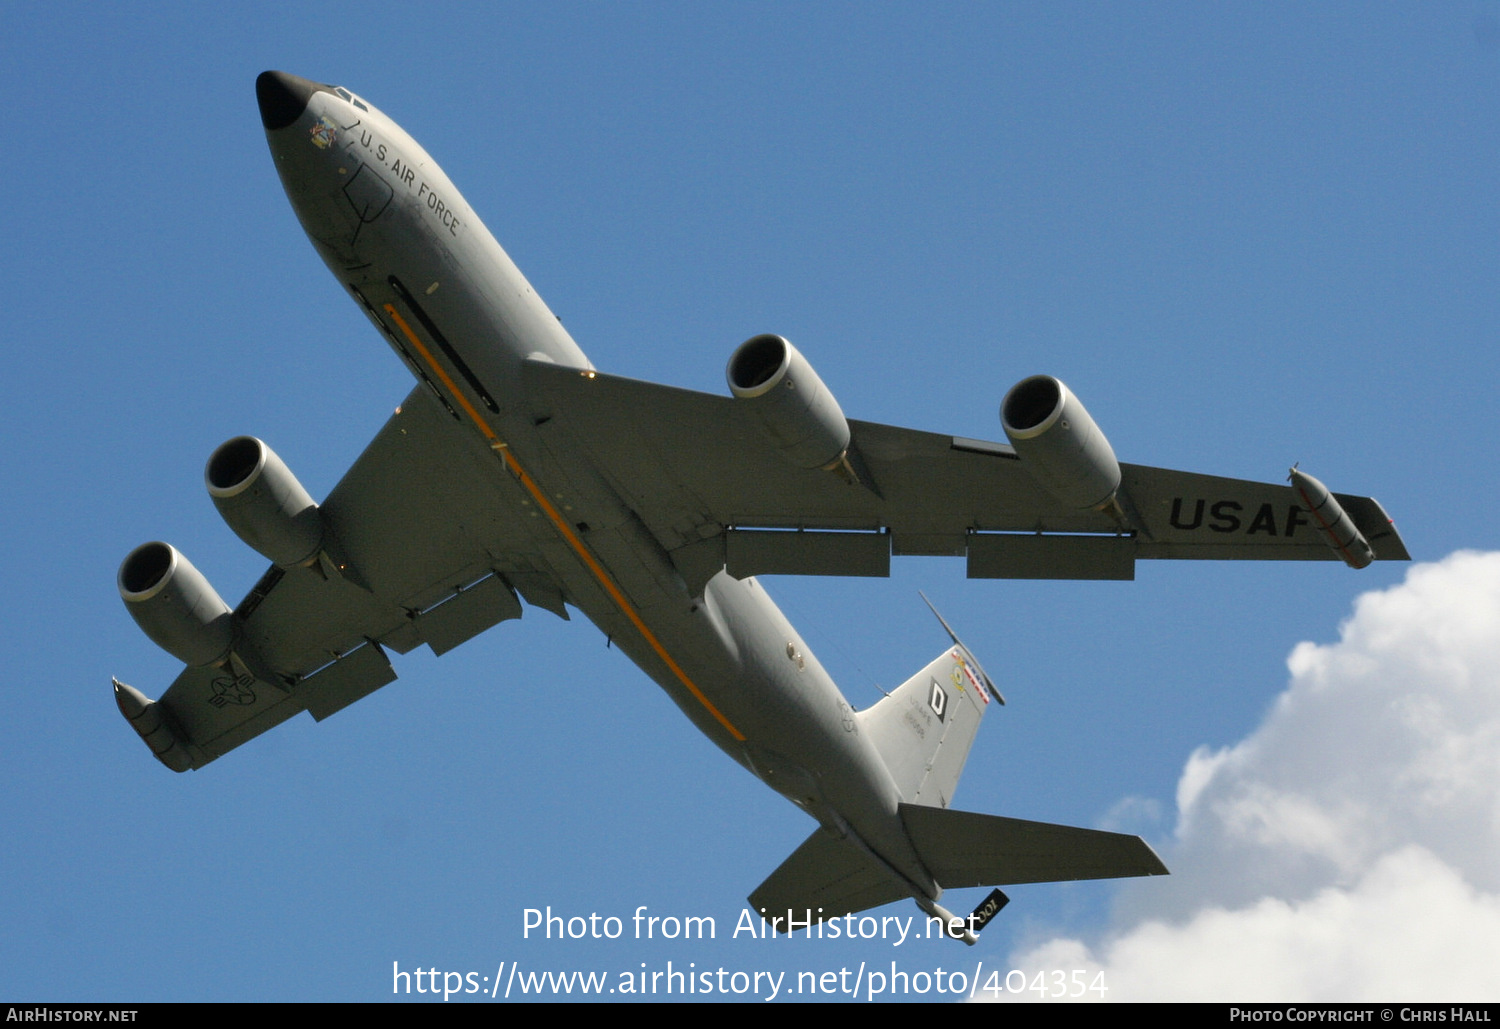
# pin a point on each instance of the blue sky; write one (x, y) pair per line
(1245, 235)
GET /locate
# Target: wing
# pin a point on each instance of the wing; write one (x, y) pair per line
(437, 556)
(702, 475)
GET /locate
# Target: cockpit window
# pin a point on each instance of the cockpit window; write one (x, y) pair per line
(341, 91)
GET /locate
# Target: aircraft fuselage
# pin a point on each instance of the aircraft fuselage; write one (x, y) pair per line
(399, 236)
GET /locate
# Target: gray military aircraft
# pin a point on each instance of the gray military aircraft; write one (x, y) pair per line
(516, 471)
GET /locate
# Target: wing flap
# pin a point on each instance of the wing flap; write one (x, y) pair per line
(1013, 555)
(689, 461)
(780, 552)
(708, 485)
(353, 677)
(467, 614)
(432, 537)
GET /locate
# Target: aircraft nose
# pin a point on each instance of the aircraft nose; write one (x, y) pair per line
(282, 98)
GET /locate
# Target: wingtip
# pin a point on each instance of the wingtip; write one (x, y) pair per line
(145, 716)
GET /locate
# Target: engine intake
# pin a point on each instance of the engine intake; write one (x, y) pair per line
(264, 503)
(792, 406)
(1058, 442)
(174, 605)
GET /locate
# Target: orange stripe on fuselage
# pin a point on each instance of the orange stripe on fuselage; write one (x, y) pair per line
(558, 522)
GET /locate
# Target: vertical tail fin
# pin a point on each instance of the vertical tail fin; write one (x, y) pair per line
(923, 730)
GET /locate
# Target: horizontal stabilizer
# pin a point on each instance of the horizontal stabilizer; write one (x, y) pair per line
(826, 877)
(961, 848)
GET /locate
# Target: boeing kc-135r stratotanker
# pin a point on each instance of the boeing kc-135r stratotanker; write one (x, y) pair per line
(516, 471)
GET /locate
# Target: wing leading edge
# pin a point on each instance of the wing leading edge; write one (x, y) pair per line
(700, 473)
(441, 555)
(440, 551)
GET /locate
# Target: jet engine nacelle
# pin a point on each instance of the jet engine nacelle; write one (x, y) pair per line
(264, 503)
(174, 605)
(1058, 442)
(789, 402)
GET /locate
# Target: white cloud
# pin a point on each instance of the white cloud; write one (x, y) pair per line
(1346, 848)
